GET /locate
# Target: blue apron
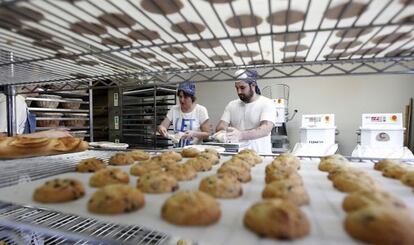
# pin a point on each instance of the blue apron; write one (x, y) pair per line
(30, 125)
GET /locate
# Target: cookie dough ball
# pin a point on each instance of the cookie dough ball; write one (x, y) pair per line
(90, 165)
(257, 158)
(116, 199)
(380, 225)
(171, 155)
(364, 198)
(248, 158)
(281, 173)
(350, 182)
(385, 163)
(278, 219)
(200, 164)
(190, 152)
(395, 171)
(191, 208)
(210, 157)
(140, 168)
(278, 165)
(332, 161)
(121, 159)
(139, 155)
(108, 176)
(286, 190)
(59, 190)
(157, 182)
(182, 171)
(213, 151)
(242, 174)
(221, 186)
(289, 159)
(408, 179)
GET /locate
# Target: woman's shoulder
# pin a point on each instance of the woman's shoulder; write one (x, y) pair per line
(200, 107)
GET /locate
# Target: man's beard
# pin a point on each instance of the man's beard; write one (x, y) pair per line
(246, 98)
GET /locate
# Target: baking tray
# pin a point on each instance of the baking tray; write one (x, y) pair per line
(324, 211)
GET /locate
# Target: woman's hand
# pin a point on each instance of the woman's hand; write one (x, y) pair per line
(163, 131)
(188, 135)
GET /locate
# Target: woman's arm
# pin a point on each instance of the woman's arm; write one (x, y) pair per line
(162, 128)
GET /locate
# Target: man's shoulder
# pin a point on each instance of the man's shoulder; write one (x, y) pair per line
(265, 100)
(235, 102)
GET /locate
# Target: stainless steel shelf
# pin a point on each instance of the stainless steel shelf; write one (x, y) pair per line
(149, 92)
(33, 109)
(60, 127)
(148, 104)
(56, 100)
(63, 118)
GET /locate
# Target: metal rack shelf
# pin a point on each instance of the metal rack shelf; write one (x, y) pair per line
(56, 100)
(143, 109)
(125, 39)
(57, 110)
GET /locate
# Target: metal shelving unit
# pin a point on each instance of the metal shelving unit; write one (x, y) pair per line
(143, 110)
(86, 108)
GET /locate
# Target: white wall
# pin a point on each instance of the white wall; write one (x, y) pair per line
(345, 96)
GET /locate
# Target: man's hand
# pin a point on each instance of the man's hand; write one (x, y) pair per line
(188, 135)
(234, 135)
(163, 131)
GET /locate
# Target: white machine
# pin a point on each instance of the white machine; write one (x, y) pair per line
(281, 111)
(382, 136)
(317, 136)
(279, 93)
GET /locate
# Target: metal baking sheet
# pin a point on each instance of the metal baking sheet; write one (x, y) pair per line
(324, 212)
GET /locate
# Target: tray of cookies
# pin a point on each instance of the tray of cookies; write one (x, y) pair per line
(215, 199)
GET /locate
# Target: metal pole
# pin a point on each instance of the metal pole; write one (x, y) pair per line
(11, 110)
(11, 103)
(90, 112)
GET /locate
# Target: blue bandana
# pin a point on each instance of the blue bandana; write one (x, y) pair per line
(248, 76)
(188, 87)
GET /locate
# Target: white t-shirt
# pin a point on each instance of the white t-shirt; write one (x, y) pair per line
(21, 113)
(246, 116)
(188, 121)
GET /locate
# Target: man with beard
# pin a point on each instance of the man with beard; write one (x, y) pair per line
(251, 117)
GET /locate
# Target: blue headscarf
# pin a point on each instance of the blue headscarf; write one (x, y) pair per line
(188, 87)
(248, 76)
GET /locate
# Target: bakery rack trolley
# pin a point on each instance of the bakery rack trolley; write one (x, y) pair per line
(124, 43)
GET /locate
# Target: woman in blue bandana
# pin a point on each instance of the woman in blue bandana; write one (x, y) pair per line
(188, 117)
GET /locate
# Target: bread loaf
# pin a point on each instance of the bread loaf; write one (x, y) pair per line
(20, 146)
